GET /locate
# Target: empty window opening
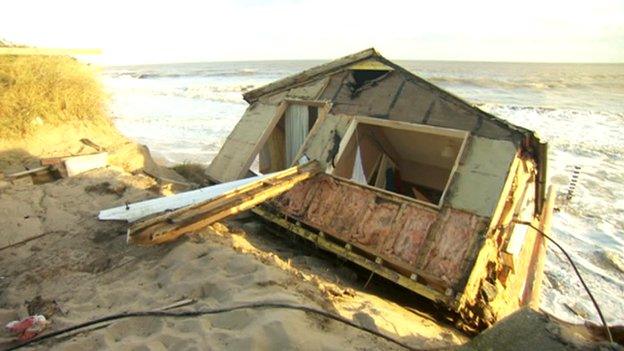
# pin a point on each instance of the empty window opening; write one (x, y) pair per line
(287, 137)
(410, 162)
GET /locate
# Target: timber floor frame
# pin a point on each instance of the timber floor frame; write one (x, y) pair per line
(346, 251)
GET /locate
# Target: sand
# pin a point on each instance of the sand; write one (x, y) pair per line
(87, 267)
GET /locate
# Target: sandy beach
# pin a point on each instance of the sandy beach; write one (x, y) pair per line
(87, 268)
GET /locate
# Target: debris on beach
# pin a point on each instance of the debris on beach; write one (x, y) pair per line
(169, 226)
(28, 327)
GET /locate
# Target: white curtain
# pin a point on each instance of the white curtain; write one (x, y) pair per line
(296, 125)
(358, 169)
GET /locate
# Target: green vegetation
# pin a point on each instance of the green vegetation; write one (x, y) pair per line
(47, 90)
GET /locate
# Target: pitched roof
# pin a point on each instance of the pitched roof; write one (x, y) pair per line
(540, 148)
(310, 74)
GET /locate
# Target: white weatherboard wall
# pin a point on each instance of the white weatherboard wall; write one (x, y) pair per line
(480, 178)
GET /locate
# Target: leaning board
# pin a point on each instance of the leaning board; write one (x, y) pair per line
(242, 145)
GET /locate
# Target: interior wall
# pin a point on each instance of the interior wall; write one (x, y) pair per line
(426, 175)
(272, 156)
(423, 172)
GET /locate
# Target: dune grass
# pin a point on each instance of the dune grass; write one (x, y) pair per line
(47, 90)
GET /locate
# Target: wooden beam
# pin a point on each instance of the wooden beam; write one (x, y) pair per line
(448, 132)
(535, 276)
(458, 159)
(172, 225)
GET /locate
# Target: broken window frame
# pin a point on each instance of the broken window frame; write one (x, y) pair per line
(448, 132)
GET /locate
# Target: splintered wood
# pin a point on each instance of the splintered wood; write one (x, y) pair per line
(169, 226)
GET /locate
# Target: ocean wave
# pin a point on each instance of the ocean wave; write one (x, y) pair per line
(532, 83)
(227, 94)
(159, 74)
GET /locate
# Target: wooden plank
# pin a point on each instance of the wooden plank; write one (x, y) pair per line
(138, 210)
(324, 108)
(170, 226)
(448, 132)
(244, 143)
(535, 277)
(458, 159)
(344, 143)
(225, 196)
(320, 142)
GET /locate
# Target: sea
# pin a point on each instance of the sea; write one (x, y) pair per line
(183, 112)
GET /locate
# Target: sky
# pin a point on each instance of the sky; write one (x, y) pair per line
(136, 32)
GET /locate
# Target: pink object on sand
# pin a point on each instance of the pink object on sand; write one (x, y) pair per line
(28, 327)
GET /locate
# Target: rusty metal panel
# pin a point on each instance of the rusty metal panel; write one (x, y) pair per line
(409, 233)
(449, 245)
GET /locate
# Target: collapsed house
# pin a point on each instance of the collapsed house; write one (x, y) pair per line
(417, 186)
(388, 171)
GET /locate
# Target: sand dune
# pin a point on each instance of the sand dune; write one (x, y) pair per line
(87, 267)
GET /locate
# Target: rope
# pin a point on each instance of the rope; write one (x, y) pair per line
(578, 274)
(201, 312)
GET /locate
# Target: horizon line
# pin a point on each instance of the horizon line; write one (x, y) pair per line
(329, 60)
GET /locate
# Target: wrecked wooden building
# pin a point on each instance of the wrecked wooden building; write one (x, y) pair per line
(419, 186)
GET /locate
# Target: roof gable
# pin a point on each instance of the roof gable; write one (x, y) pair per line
(310, 74)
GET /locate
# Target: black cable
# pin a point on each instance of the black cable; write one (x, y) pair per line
(160, 313)
(578, 274)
